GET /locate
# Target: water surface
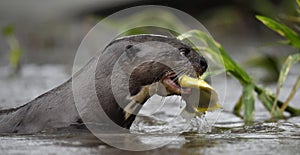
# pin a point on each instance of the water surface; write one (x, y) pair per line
(218, 133)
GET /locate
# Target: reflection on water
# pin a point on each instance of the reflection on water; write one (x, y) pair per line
(263, 138)
(217, 133)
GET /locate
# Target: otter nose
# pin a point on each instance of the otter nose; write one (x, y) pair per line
(200, 65)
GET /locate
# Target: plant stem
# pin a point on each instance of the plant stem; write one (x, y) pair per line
(248, 102)
(267, 100)
(237, 108)
(291, 95)
(289, 109)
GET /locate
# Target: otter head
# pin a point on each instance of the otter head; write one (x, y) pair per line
(159, 64)
(144, 65)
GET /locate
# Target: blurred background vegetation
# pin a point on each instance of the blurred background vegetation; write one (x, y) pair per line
(51, 31)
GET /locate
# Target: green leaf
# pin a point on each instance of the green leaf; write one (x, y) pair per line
(292, 94)
(211, 73)
(267, 99)
(218, 53)
(14, 57)
(237, 108)
(8, 30)
(298, 3)
(289, 109)
(268, 62)
(146, 19)
(282, 30)
(15, 49)
(248, 102)
(291, 60)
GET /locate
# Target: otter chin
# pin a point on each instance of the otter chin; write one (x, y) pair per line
(147, 65)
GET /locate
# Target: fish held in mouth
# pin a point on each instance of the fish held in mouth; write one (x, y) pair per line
(207, 99)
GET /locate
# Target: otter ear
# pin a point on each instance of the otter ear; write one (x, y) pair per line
(131, 51)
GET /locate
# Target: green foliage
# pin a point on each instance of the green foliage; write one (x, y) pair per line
(8, 30)
(267, 99)
(293, 39)
(290, 61)
(15, 49)
(268, 62)
(219, 55)
(291, 36)
(291, 95)
(298, 3)
(211, 73)
(145, 20)
(247, 100)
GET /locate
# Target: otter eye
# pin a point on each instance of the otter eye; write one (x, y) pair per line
(184, 51)
(128, 46)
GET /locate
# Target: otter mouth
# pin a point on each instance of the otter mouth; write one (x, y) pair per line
(183, 84)
(171, 83)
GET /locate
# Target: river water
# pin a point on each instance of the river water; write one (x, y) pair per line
(219, 132)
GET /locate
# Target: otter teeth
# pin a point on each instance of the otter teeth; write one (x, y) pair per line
(171, 83)
(170, 73)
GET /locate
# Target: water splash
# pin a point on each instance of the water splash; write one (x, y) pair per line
(163, 124)
(199, 124)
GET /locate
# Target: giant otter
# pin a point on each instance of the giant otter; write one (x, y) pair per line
(145, 72)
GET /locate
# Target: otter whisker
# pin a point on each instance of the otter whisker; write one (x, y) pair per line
(179, 74)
